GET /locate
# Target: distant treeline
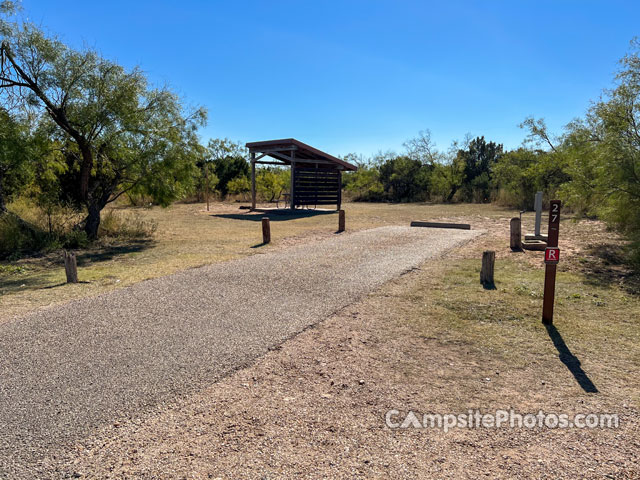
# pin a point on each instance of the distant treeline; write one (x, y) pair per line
(593, 165)
(474, 170)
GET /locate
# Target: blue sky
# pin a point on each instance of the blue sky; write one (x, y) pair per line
(362, 76)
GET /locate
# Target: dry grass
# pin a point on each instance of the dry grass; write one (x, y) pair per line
(188, 236)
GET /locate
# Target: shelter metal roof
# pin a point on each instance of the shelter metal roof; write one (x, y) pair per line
(287, 148)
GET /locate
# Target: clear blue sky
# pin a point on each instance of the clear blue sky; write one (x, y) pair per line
(362, 76)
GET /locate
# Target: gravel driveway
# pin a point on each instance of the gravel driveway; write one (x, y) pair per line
(70, 369)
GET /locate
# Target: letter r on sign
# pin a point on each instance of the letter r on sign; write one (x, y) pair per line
(552, 255)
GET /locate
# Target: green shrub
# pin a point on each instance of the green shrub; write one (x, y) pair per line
(18, 237)
(271, 183)
(239, 186)
(75, 239)
(11, 237)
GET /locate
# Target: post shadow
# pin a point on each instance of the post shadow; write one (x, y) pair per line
(489, 286)
(570, 360)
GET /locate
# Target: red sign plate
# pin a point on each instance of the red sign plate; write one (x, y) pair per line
(551, 255)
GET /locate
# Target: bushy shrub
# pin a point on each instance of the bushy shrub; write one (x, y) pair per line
(239, 186)
(364, 184)
(12, 238)
(18, 238)
(271, 183)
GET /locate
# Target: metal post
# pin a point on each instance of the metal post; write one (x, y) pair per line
(538, 209)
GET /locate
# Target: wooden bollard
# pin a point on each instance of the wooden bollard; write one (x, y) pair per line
(516, 235)
(486, 272)
(70, 267)
(266, 230)
(341, 221)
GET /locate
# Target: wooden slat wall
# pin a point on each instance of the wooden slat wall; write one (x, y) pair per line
(316, 186)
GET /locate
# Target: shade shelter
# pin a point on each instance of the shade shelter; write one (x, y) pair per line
(316, 176)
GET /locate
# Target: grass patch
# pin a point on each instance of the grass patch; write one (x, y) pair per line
(597, 327)
(12, 269)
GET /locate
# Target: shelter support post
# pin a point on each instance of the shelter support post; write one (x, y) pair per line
(339, 190)
(253, 180)
(292, 198)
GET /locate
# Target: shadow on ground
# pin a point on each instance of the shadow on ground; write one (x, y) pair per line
(39, 272)
(570, 360)
(104, 254)
(608, 265)
(273, 216)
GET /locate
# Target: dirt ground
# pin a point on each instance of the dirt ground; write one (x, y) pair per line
(431, 341)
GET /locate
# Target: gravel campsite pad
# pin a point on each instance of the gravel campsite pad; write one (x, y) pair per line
(72, 369)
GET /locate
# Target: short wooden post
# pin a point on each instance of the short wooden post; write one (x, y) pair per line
(71, 267)
(266, 230)
(341, 221)
(486, 272)
(516, 235)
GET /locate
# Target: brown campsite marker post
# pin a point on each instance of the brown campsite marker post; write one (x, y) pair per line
(341, 221)
(551, 258)
(266, 230)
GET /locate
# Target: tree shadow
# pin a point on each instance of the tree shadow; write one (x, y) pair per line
(274, 216)
(570, 360)
(104, 254)
(607, 265)
(39, 269)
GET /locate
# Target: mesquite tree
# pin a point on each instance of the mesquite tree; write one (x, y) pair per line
(15, 149)
(116, 133)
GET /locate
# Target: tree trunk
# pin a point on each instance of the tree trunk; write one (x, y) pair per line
(3, 206)
(85, 170)
(451, 194)
(92, 222)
